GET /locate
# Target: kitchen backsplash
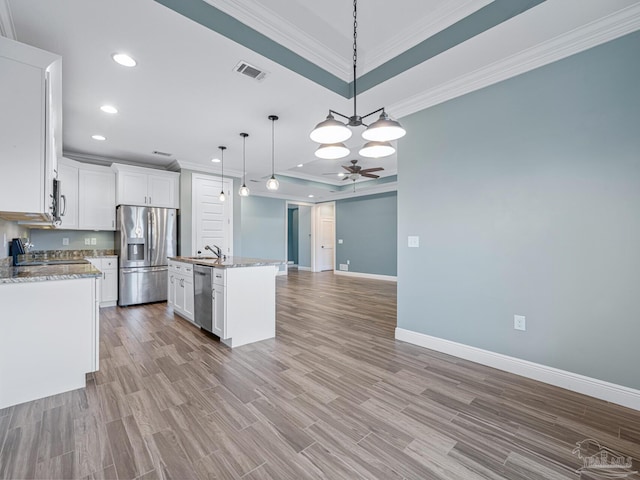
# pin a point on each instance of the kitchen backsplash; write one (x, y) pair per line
(75, 239)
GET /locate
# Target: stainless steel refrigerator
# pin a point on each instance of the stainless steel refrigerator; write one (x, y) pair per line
(145, 237)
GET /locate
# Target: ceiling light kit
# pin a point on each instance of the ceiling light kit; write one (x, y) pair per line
(244, 190)
(330, 133)
(272, 183)
(222, 196)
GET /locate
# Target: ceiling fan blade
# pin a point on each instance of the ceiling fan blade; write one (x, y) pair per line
(369, 170)
(347, 177)
(348, 168)
(369, 175)
(334, 173)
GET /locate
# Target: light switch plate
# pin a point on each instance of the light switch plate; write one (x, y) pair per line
(414, 241)
(87, 241)
(94, 241)
(65, 241)
(519, 322)
(340, 241)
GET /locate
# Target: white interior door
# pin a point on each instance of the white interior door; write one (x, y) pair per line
(327, 239)
(212, 219)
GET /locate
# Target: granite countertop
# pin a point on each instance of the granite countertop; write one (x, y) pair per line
(45, 273)
(228, 262)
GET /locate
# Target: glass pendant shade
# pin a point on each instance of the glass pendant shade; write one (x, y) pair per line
(377, 150)
(330, 131)
(384, 130)
(332, 151)
(244, 191)
(222, 196)
(272, 183)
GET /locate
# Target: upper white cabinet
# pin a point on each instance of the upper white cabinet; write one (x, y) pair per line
(68, 176)
(30, 130)
(146, 187)
(88, 196)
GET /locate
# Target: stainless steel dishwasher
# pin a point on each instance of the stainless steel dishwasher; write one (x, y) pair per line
(203, 296)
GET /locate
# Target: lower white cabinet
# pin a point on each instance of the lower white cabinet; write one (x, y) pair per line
(180, 289)
(219, 303)
(108, 283)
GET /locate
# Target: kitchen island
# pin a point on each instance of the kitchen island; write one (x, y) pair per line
(242, 296)
(49, 329)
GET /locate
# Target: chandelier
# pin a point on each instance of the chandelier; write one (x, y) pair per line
(331, 133)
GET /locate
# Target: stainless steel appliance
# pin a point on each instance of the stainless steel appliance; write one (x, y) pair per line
(203, 292)
(145, 237)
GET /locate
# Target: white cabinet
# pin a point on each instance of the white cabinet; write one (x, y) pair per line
(30, 130)
(180, 289)
(219, 303)
(89, 196)
(108, 283)
(97, 198)
(68, 176)
(146, 186)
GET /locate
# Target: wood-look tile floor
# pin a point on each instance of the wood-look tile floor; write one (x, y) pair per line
(333, 396)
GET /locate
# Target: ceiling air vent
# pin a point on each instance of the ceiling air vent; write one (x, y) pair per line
(250, 71)
(162, 154)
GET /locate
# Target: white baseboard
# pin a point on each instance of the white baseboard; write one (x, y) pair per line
(304, 269)
(610, 392)
(373, 276)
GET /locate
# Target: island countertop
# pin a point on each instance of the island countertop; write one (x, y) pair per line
(45, 273)
(228, 262)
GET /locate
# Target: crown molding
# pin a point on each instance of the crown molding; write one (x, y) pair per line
(610, 27)
(198, 167)
(106, 161)
(362, 191)
(327, 181)
(265, 21)
(451, 12)
(7, 28)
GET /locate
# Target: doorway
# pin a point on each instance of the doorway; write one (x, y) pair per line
(299, 235)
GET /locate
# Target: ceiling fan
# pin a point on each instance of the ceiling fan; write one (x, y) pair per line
(356, 171)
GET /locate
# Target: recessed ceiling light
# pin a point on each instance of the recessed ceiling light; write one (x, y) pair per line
(124, 59)
(300, 165)
(99, 137)
(215, 160)
(310, 196)
(109, 109)
(341, 174)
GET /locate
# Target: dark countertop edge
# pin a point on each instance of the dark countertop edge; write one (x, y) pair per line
(230, 262)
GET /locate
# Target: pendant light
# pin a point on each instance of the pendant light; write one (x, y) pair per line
(330, 133)
(244, 190)
(272, 183)
(222, 196)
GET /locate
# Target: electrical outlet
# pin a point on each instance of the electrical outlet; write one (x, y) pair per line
(94, 241)
(519, 322)
(339, 241)
(348, 262)
(65, 241)
(413, 241)
(344, 267)
(87, 241)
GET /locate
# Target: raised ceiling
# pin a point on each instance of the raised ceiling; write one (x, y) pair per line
(184, 98)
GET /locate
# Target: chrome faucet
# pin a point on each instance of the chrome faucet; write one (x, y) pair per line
(217, 252)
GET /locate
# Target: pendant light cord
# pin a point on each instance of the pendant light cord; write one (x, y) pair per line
(355, 54)
(273, 162)
(244, 160)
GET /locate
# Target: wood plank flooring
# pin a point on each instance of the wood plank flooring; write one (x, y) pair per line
(333, 396)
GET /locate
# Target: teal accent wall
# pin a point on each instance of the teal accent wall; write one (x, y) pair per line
(263, 227)
(525, 196)
(368, 228)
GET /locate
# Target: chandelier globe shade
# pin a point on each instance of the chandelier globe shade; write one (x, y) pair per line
(332, 151)
(377, 150)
